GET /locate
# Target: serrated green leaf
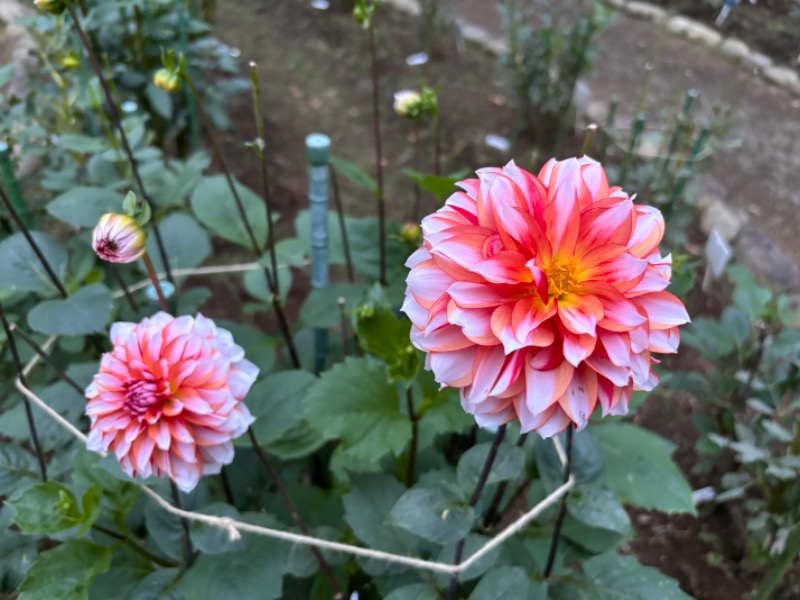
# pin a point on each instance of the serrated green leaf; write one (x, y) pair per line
(354, 173)
(508, 464)
(187, 244)
(321, 306)
(46, 508)
(65, 572)
(82, 144)
(355, 403)
(612, 576)
(436, 513)
(85, 311)
(639, 469)
(273, 401)
(501, 583)
(214, 206)
(214, 540)
(22, 271)
(83, 206)
(16, 465)
(380, 331)
(587, 460)
(415, 591)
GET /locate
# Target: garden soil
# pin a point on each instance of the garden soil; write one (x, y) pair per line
(315, 75)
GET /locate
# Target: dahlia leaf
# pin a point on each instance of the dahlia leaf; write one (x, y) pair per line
(16, 465)
(85, 311)
(509, 464)
(587, 460)
(474, 542)
(595, 520)
(65, 572)
(354, 173)
(503, 582)
(253, 572)
(639, 469)
(321, 307)
(22, 271)
(415, 591)
(187, 243)
(436, 513)
(273, 402)
(46, 508)
(612, 576)
(381, 332)
(83, 206)
(355, 403)
(215, 207)
(367, 508)
(214, 540)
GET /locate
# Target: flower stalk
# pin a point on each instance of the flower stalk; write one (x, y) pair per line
(156, 283)
(271, 275)
(476, 494)
(116, 118)
(412, 449)
(494, 505)
(337, 200)
(376, 132)
(188, 550)
(562, 509)
(12, 345)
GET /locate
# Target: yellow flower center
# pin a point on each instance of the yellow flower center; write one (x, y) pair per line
(561, 278)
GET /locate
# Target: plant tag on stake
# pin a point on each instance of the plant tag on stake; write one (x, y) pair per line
(718, 254)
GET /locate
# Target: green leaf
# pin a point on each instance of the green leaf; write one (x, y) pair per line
(321, 306)
(587, 460)
(82, 144)
(297, 442)
(508, 464)
(596, 520)
(612, 576)
(415, 591)
(736, 323)
(255, 572)
(440, 186)
(187, 244)
(749, 297)
(354, 173)
(273, 402)
(473, 543)
(85, 311)
(83, 206)
(640, 471)
(441, 409)
(255, 282)
(214, 205)
(22, 271)
(46, 508)
(355, 402)
(214, 540)
(65, 572)
(367, 507)
(436, 513)
(16, 465)
(709, 337)
(381, 332)
(160, 101)
(501, 583)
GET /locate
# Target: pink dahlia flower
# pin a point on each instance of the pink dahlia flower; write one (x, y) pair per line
(542, 298)
(117, 238)
(168, 398)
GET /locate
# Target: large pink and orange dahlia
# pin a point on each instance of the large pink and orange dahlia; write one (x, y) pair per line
(542, 297)
(168, 398)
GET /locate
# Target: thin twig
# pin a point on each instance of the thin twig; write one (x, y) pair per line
(226, 486)
(133, 545)
(271, 276)
(476, 494)
(337, 200)
(494, 505)
(412, 449)
(376, 132)
(48, 359)
(12, 345)
(188, 550)
(116, 118)
(290, 505)
(34, 246)
(562, 509)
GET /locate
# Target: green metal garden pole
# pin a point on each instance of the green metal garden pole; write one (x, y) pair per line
(318, 152)
(10, 183)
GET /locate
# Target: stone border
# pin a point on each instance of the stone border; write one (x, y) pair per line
(733, 49)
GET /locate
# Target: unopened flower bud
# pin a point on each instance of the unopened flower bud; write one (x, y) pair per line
(54, 7)
(408, 103)
(70, 60)
(117, 238)
(411, 234)
(169, 81)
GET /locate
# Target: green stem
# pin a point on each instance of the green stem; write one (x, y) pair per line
(156, 283)
(562, 509)
(133, 545)
(376, 131)
(412, 449)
